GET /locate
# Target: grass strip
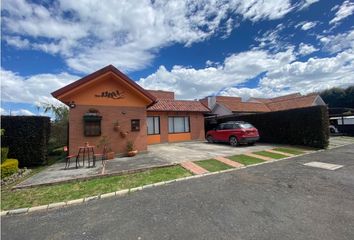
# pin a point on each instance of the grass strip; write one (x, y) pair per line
(212, 165)
(245, 160)
(289, 150)
(270, 154)
(35, 196)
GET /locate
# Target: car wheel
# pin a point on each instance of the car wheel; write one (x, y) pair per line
(210, 139)
(233, 141)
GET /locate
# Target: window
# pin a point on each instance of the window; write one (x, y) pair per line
(178, 124)
(135, 125)
(228, 126)
(92, 128)
(153, 125)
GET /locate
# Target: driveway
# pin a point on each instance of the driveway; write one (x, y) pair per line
(279, 200)
(157, 155)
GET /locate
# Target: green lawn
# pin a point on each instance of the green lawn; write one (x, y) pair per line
(245, 160)
(269, 154)
(212, 165)
(74, 190)
(289, 150)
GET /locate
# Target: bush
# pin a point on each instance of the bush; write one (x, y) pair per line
(9, 167)
(27, 138)
(304, 126)
(4, 152)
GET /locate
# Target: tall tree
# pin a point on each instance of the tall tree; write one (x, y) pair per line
(339, 97)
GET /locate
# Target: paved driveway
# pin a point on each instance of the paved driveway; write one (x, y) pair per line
(279, 200)
(157, 155)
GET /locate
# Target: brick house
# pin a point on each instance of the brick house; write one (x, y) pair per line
(222, 105)
(108, 104)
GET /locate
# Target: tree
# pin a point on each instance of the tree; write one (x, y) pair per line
(59, 126)
(339, 97)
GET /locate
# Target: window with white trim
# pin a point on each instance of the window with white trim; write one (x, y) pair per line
(178, 124)
(153, 125)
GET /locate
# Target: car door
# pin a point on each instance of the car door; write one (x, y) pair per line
(218, 132)
(225, 132)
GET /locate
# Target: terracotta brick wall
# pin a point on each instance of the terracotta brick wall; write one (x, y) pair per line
(109, 115)
(196, 124)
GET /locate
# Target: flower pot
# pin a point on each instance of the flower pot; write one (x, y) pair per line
(116, 128)
(110, 155)
(123, 134)
(132, 153)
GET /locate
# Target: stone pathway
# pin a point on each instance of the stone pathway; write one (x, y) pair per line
(194, 168)
(229, 162)
(258, 156)
(282, 153)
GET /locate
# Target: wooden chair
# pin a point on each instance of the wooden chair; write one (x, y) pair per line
(102, 155)
(68, 158)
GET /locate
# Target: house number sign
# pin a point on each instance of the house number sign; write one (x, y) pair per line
(111, 94)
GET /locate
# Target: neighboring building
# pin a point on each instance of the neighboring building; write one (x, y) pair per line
(108, 103)
(222, 105)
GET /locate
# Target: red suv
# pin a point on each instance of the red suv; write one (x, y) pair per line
(234, 133)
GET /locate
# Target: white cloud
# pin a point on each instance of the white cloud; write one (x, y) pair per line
(20, 112)
(306, 3)
(33, 89)
(339, 42)
(345, 10)
(190, 83)
(305, 49)
(127, 34)
(306, 25)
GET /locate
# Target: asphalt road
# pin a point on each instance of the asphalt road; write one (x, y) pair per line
(280, 200)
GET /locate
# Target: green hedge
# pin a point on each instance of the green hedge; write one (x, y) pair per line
(4, 153)
(27, 138)
(304, 126)
(9, 167)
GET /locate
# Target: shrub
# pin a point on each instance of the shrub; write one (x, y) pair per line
(4, 152)
(9, 167)
(304, 126)
(27, 138)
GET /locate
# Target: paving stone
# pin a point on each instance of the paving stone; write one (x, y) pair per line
(38, 208)
(75, 201)
(228, 162)
(107, 195)
(159, 184)
(194, 168)
(135, 189)
(18, 211)
(148, 186)
(122, 192)
(56, 205)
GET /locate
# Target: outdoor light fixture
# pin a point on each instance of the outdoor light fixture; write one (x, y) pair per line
(123, 112)
(72, 104)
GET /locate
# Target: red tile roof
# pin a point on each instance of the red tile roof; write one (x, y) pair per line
(290, 101)
(159, 94)
(163, 105)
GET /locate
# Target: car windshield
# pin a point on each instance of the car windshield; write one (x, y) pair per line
(246, 125)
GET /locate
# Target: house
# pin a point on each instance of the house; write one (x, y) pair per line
(107, 103)
(223, 105)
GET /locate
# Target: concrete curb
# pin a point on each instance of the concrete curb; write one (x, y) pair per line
(131, 190)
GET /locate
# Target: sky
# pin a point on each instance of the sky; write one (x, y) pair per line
(195, 48)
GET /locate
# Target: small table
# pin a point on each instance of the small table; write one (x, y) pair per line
(86, 151)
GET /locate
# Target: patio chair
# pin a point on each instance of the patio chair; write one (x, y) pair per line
(68, 158)
(102, 155)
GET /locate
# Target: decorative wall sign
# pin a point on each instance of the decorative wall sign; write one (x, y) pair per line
(113, 95)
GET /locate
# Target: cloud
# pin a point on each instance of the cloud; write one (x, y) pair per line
(20, 112)
(306, 3)
(339, 42)
(127, 34)
(305, 49)
(345, 10)
(306, 25)
(32, 89)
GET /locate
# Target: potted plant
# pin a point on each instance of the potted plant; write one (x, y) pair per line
(123, 134)
(105, 143)
(130, 149)
(116, 126)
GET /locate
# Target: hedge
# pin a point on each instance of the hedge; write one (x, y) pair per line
(27, 138)
(4, 153)
(304, 126)
(9, 167)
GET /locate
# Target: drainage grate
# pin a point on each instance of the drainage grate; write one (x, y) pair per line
(327, 166)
